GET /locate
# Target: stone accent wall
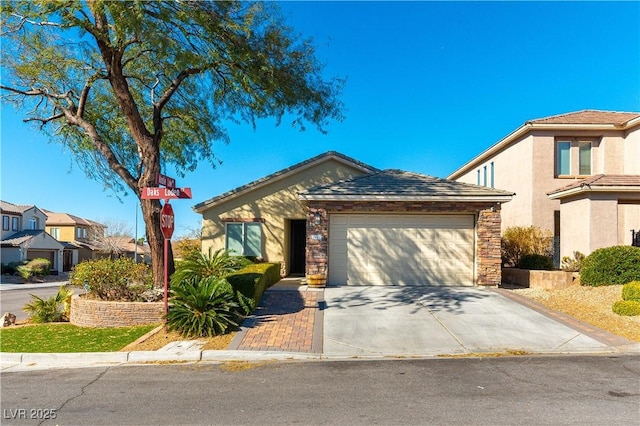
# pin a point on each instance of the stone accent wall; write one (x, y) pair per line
(99, 313)
(488, 258)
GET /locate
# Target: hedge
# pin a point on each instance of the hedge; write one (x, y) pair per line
(253, 280)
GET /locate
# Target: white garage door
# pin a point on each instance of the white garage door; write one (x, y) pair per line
(401, 249)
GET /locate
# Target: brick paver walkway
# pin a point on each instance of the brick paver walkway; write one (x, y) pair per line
(285, 321)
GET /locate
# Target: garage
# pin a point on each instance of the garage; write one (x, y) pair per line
(401, 249)
(394, 227)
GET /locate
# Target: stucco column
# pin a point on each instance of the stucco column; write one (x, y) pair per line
(488, 247)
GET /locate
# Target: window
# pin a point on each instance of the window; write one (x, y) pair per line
(81, 233)
(563, 158)
(5, 223)
(485, 175)
(584, 158)
(15, 223)
(244, 239)
(478, 181)
(492, 176)
(55, 232)
(33, 223)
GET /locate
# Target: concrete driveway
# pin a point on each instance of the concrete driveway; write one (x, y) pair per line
(420, 321)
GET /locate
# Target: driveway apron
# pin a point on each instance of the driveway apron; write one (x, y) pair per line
(422, 321)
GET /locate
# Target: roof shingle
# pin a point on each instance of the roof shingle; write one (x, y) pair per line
(398, 183)
(589, 116)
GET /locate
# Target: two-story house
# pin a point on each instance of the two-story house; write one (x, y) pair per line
(576, 174)
(77, 234)
(24, 236)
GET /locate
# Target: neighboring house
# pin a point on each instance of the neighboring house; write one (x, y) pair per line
(122, 246)
(77, 234)
(24, 236)
(359, 225)
(575, 174)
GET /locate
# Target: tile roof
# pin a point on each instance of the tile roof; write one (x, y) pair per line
(7, 207)
(589, 116)
(20, 237)
(398, 183)
(602, 181)
(257, 183)
(54, 218)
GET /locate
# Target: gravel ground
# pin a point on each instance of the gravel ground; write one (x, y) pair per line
(591, 305)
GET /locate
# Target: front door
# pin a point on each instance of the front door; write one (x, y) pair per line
(298, 245)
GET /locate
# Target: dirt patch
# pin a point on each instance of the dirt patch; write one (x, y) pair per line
(589, 304)
(162, 338)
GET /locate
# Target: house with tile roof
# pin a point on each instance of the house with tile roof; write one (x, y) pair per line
(358, 225)
(24, 236)
(576, 174)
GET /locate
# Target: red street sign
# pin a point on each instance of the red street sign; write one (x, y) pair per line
(165, 181)
(157, 193)
(167, 220)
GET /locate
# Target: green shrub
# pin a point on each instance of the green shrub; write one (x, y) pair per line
(518, 241)
(202, 307)
(573, 264)
(626, 307)
(631, 291)
(25, 272)
(610, 266)
(39, 267)
(252, 280)
(216, 264)
(11, 268)
(54, 309)
(536, 262)
(113, 279)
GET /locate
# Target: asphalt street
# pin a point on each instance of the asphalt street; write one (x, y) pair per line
(571, 390)
(13, 300)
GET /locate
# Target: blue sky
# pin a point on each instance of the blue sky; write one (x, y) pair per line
(429, 86)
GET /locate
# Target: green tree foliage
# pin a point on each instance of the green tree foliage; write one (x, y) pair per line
(53, 309)
(611, 266)
(133, 87)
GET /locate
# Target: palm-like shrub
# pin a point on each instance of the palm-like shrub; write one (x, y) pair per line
(213, 264)
(202, 307)
(54, 309)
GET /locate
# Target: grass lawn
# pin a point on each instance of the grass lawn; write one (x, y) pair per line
(59, 338)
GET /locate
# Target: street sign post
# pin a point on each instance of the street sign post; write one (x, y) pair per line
(165, 181)
(166, 226)
(157, 193)
(167, 222)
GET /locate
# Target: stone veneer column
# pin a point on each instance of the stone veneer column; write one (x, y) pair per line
(488, 247)
(317, 255)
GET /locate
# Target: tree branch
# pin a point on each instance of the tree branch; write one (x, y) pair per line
(44, 121)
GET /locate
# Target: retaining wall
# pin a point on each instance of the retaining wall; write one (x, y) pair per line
(99, 313)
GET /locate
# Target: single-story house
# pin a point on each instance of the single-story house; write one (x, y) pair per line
(358, 225)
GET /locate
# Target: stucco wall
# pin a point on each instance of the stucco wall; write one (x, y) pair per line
(275, 204)
(513, 171)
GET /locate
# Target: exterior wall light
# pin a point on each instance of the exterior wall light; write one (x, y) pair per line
(317, 218)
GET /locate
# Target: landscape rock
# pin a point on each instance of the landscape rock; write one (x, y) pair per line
(8, 319)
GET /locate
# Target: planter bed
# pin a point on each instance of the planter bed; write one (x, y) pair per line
(99, 313)
(547, 280)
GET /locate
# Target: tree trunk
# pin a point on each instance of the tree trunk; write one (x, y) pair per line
(151, 216)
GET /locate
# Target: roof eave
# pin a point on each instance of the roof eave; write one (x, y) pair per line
(593, 188)
(461, 198)
(529, 126)
(205, 205)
